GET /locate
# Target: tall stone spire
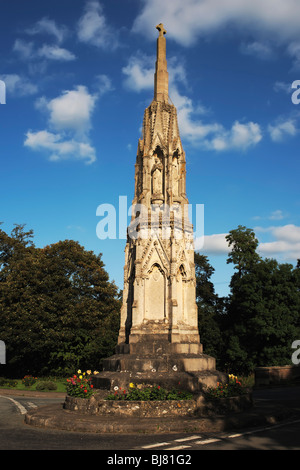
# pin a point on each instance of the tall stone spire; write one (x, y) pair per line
(159, 274)
(161, 78)
(158, 335)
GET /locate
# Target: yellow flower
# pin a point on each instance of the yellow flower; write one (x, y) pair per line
(131, 385)
(79, 371)
(89, 372)
(95, 372)
(80, 376)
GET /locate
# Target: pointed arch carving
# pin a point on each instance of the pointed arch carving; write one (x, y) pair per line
(154, 252)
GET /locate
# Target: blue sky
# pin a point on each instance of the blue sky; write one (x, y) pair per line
(78, 77)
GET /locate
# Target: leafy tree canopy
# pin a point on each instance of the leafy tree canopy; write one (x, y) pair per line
(58, 309)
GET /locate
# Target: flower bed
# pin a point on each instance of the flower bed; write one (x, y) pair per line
(79, 385)
(142, 392)
(227, 397)
(141, 400)
(233, 388)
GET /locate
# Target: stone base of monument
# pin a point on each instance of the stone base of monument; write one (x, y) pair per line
(170, 365)
(151, 417)
(197, 407)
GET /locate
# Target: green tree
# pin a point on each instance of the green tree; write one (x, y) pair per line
(263, 311)
(58, 309)
(210, 307)
(243, 253)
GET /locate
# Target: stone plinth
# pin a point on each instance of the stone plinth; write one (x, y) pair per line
(179, 365)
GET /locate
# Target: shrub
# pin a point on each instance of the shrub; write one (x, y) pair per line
(11, 383)
(29, 380)
(8, 382)
(46, 385)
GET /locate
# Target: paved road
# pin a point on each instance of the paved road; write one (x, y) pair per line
(15, 435)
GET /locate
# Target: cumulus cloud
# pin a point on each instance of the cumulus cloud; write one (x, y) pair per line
(282, 86)
(18, 85)
(59, 147)
(215, 244)
(275, 215)
(282, 129)
(27, 51)
(69, 118)
(187, 21)
(286, 243)
(49, 27)
(139, 74)
(93, 29)
(240, 136)
(269, 23)
(24, 49)
(54, 52)
(71, 111)
(257, 49)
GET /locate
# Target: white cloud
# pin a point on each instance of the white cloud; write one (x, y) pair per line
(284, 246)
(55, 53)
(257, 49)
(286, 243)
(240, 137)
(215, 244)
(288, 233)
(71, 111)
(93, 28)
(24, 49)
(187, 21)
(48, 26)
(282, 129)
(103, 84)
(277, 215)
(59, 147)
(139, 74)
(213, 135)
(283, 86)
(294, 51)
(18, 85)
(69, 122)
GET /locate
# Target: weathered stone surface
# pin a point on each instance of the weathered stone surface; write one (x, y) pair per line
(159, 319)
(163, 409)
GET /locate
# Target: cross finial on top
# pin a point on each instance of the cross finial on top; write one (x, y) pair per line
(161, 29)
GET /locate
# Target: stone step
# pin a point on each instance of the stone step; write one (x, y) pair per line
(159, 347)
(192, 381)
(163, 363)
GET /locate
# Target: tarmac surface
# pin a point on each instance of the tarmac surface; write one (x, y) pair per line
(271, 406)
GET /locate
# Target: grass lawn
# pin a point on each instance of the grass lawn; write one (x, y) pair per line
(58, 381)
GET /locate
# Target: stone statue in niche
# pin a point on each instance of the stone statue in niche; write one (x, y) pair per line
(157, 181)
(175, 176)
(157, 173)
